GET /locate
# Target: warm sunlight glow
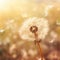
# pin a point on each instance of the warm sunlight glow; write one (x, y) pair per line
(3, 4)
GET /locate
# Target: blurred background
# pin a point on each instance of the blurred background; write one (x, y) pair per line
(13, 13)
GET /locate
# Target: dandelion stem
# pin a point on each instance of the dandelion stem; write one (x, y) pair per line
(34, 30)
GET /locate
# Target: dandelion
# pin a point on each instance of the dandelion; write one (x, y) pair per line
(41, 23)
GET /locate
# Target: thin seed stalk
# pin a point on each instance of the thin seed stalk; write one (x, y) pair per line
(39, 47)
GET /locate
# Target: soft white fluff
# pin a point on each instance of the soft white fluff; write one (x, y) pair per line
(41, 23)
